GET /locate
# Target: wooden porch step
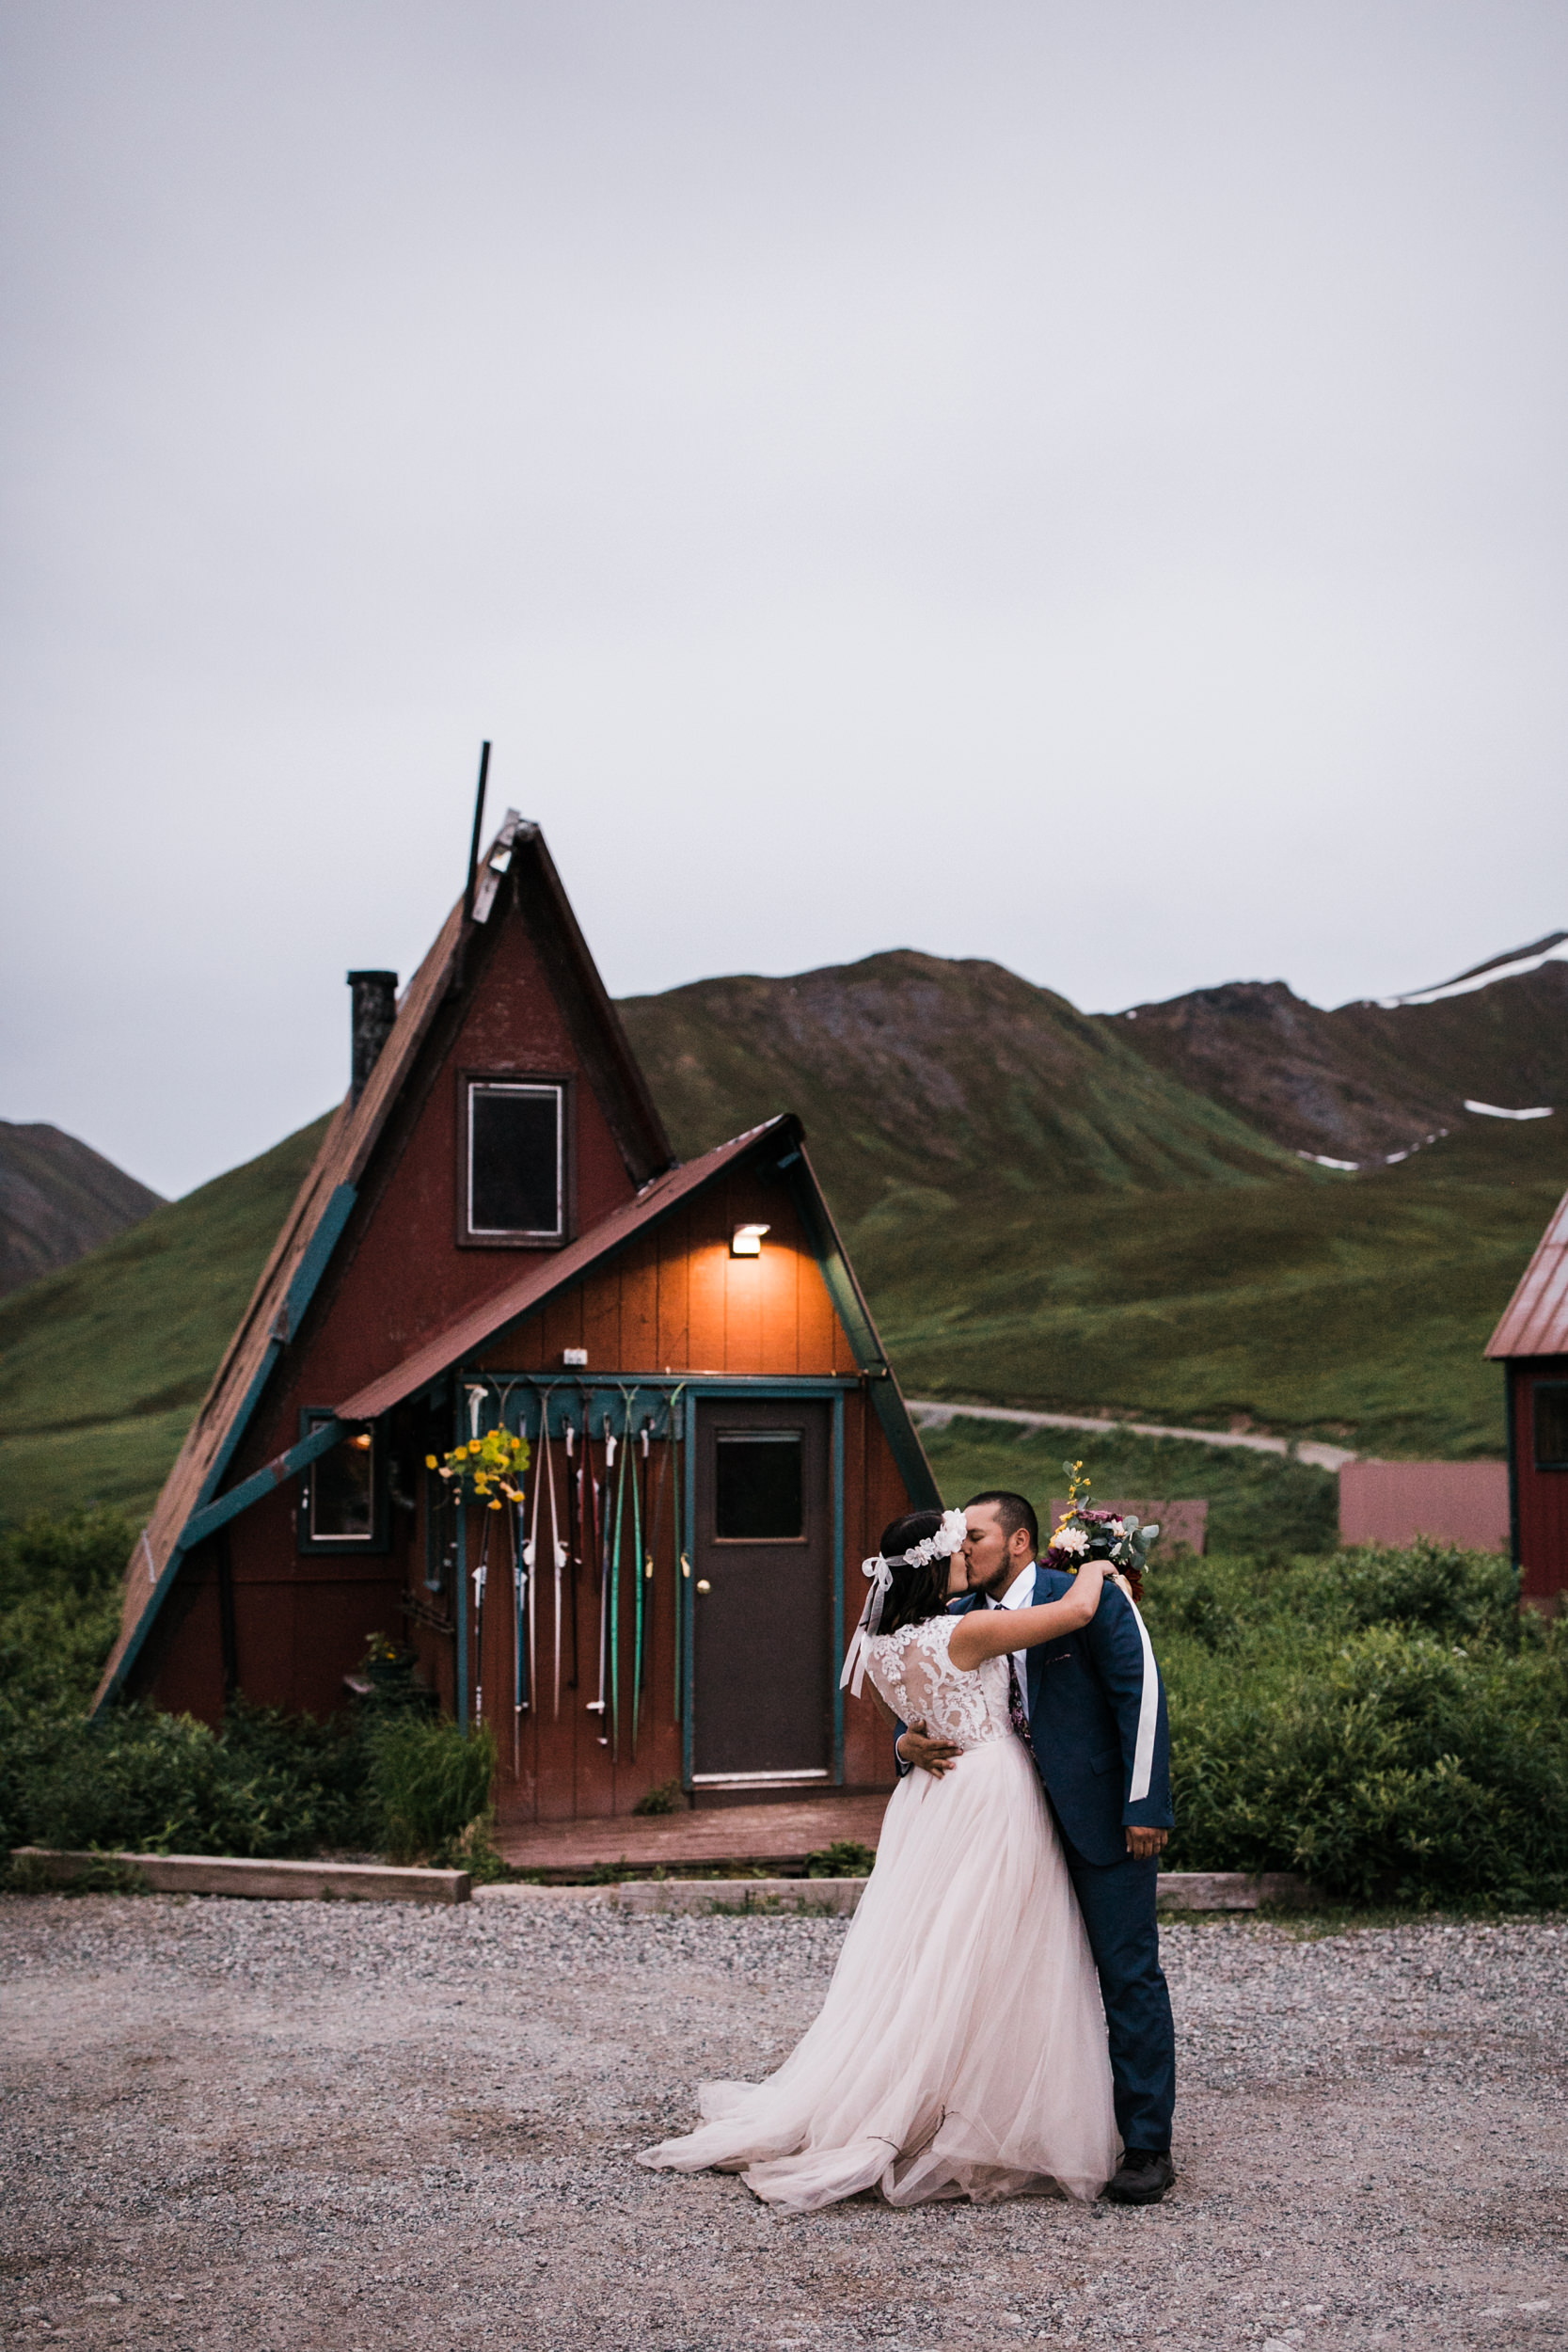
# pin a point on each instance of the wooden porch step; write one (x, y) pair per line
(731, 1836)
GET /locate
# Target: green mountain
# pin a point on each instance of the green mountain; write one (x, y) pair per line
(103, 1365)
(1047, 1208)
(1037, 1223)
(935, 1083)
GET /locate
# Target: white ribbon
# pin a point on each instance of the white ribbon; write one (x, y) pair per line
(950, 1537)
(871, 1617)
(1148, 1716)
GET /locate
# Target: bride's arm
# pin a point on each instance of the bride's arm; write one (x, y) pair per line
(989, 1633)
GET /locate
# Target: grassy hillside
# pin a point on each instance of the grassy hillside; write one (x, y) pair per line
(1355, 1305)
(1260, 1505)
(1037, 1223)
(1039, 1214)
(102, 1364)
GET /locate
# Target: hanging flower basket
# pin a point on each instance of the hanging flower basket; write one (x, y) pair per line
(488, 1469)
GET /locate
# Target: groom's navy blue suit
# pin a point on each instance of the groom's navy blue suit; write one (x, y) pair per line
(1097, 1718)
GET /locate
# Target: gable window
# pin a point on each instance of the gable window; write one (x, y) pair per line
(342, 1499)
(515, 1161)
(1551, 1424)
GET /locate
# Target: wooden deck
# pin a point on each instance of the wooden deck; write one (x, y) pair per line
(728, 1837)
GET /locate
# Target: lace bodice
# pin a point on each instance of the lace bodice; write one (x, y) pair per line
(914, 1674)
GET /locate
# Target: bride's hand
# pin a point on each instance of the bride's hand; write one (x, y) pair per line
(1088, 1585)
(1120, 1582)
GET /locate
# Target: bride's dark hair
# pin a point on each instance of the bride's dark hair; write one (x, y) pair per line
(915, 1593)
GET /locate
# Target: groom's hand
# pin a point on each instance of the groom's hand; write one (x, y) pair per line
(935, 1756)
(1143, 1843)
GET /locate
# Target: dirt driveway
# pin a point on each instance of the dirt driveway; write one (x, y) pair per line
(309, 2125)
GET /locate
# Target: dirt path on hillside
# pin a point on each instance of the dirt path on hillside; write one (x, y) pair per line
(312, 2125)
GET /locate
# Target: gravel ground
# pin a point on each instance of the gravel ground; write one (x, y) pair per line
(308, 2125)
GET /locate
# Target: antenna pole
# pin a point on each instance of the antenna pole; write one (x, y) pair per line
(479, 827)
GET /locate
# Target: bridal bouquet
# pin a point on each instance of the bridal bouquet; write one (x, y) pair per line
(485, 1470)
(1082, 1533)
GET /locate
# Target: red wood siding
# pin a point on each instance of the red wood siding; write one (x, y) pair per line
(673, 1301)
(1542, 1495)
(677, 1301)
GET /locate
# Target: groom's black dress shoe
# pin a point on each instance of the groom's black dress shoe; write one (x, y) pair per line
(1142, 2177)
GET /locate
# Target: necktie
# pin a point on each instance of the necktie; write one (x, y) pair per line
(1018, 1715)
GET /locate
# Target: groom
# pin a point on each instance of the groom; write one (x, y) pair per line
(1094, 1711)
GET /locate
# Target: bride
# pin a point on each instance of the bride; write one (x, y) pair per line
(960, 2051)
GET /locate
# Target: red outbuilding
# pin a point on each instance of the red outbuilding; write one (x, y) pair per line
(496, 1234)
(1531, 1344)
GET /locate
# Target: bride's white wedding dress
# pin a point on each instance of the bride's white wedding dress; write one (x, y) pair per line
(960, 2051)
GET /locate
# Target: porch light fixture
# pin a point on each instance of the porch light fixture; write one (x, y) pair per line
(746, 1240)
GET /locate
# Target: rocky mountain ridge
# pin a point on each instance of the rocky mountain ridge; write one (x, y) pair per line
(59, 1198)
(911, 1070)
(1369, 1081)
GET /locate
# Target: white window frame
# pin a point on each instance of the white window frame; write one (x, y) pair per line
(556, 1089)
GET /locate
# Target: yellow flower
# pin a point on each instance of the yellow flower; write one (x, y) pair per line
(495, 1506)
(474, 1445)
(430, 1462)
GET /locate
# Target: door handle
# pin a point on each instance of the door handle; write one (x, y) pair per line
(703, 1585)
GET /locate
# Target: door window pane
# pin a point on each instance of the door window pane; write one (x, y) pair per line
(1551, 1424)
(759, 1491)
(342, 1492)
(515, 1160)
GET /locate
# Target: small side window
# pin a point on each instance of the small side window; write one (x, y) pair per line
(1550, 1419)
(340, 1505)
(514, 1156)
(441, 1534)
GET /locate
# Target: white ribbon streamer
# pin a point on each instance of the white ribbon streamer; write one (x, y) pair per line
(1149, 1715)
(950, 1537)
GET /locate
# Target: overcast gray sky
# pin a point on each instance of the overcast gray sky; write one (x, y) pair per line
(1076, 484)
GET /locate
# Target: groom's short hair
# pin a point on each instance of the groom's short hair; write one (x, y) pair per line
(1013, 1511)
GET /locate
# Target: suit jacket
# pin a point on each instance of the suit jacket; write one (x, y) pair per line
(1096, 1717)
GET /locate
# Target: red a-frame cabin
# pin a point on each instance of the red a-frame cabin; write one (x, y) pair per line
(496, 1232)
(1531, 1344)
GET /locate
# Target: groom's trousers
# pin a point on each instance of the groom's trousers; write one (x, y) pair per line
(1117, 1902)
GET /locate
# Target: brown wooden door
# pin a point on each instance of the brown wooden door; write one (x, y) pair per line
(762, 1598)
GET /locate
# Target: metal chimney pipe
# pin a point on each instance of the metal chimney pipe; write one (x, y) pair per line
(374, 1012)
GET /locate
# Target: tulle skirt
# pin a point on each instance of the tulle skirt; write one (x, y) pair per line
(960, 2051)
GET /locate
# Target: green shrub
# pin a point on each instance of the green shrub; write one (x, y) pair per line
(271, 1786)
(1385, 1722)
(81, 1553)
(1450, 1592)
(59, 1606)
(669, 1796)
(430, 1782)
(845, 1858)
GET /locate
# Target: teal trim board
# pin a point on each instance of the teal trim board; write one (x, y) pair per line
(204, 1523)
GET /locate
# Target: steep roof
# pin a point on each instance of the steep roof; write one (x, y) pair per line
(326, 1197)
(1535, 1320)
(553, 1271)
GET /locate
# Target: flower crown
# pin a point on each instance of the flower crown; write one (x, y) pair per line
(951, 1537)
